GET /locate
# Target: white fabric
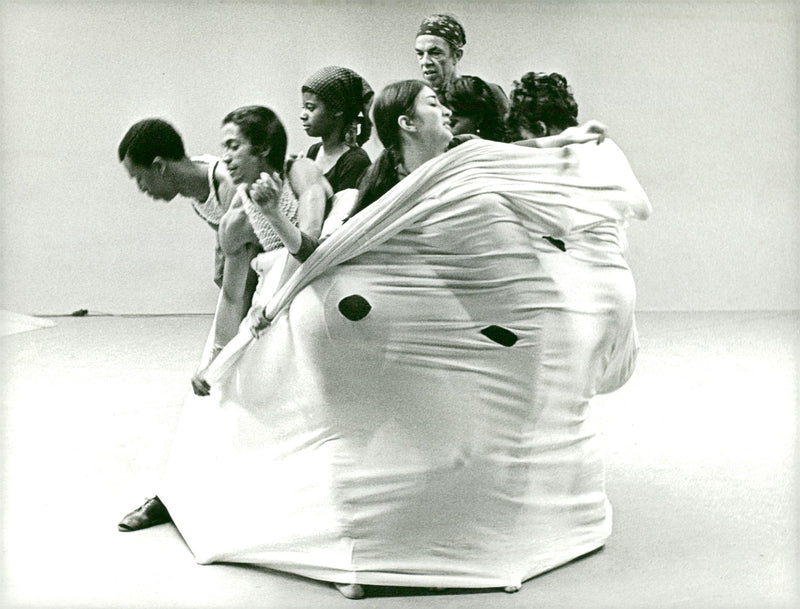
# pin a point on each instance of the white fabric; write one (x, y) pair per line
(14, 323)
(409, 447)
(269, 266)
(342, 205)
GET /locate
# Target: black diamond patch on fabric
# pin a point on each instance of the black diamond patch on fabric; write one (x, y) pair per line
(355, 307)
(501, 336)
(557, 242)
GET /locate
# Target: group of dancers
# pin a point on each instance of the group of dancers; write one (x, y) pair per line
(273, 211)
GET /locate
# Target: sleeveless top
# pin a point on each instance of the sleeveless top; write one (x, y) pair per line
(348, 169)
(212, 209)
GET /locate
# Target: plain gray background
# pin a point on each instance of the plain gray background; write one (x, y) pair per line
(702, 96)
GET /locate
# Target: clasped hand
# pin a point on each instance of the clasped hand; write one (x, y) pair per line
(266, 191)
(200, 386)
(257, 320)
(590, 131)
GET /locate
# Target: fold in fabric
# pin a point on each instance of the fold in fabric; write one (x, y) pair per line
(418, 412)
(555, 191)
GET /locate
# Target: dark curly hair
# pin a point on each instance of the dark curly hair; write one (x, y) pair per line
(149, 138)
(471, 97)
(539, 97)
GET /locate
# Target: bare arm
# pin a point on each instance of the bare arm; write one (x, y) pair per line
(239, 244)
(236, 294)
(312, 191)
(590, 131)
(266, 194)
(226, 189)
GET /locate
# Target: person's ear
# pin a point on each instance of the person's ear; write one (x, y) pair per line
(265, 153)
(457, 54)
(541, 129)
(159, 164)
(405, 123)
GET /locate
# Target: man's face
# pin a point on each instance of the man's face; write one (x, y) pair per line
(151, 180)
(437, 60)
(244, 162)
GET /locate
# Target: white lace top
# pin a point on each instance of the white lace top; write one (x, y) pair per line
(261, 225)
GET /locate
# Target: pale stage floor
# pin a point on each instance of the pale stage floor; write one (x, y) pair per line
(701, 467)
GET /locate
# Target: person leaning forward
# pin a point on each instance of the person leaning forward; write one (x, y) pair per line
(153, 153)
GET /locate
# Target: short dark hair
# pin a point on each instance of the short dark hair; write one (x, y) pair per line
(471, 97)
(149, 138)
(263, 129)
(541, 97)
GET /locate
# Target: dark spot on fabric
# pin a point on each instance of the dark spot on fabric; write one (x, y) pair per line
(501, 336)
(557, 242)
(354, 307)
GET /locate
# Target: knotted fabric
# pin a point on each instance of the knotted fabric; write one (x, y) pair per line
(444, 26)
(341, 89)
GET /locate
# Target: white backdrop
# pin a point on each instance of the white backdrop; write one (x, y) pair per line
(702, 96)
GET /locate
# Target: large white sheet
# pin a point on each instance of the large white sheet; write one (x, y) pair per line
(418, 412)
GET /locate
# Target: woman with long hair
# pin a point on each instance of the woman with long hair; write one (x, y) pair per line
(398, 109)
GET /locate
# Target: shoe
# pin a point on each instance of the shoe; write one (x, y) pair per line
(149, 514)
(351, 591)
